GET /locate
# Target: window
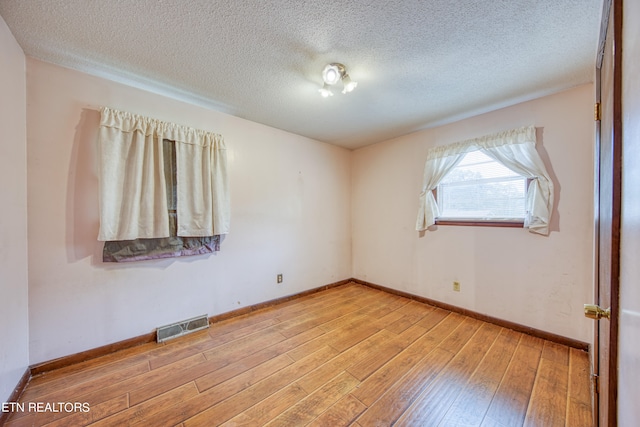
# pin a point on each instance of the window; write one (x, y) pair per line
(162, 247)
(163, 188)
(497, 179)
(480, 189)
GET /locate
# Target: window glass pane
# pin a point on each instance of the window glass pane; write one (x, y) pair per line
(477, 165)
(169, 151)
(481, 188)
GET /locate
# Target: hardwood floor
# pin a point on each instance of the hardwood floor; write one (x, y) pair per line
(350, 355)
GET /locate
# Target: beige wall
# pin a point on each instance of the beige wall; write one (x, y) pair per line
(537, 281)
(14, 320)
(290, 214)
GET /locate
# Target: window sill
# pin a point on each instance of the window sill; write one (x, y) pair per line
(481, 223)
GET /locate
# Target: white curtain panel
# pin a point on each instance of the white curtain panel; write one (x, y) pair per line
(203, 198)
(435, 169)
(515, 149)
(133, 201)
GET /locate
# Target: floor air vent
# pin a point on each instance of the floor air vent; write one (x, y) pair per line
(179, 329)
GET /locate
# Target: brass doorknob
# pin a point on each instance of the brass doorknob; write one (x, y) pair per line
(593, 311)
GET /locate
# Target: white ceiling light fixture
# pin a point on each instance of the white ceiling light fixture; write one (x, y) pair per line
(334, 73)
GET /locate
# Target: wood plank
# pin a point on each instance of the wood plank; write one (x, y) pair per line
(384, 352)
(108, 408)
(96, 413)
(157, 349)
(579, 393)
(392, 404)
(216, 341)
(509, 404)
(548, 404)
(242, 420)
(474, 399)
(435, 400)
(311, 346)
(66, 394)
(229, 355)
(377, 383)
(186, 409)
(333, 367)
(387, 319)
(113, 390)
(271, 407)
(269, 305)
(108, 388)
(72, 360)
(556, 353)
(490, 422)
(351, 336)
(22, 419)
(413, 312)
(72, 418)
(312, 320)
(230, 329)
(336, 337)
(148, 409)
(313, 405)
(244, 346)
(390, 303)
(268, 408)
(342, 413)
(459, 337)
(531, 341)
(396, 399)
(250, 396)
(216, 377)
(433, 318)
(45, 383)
(350, 319)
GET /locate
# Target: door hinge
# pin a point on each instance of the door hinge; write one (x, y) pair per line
(595, 383)
(596, 112)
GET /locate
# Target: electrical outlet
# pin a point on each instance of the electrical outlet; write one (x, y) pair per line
(279, 278)
(456, 286)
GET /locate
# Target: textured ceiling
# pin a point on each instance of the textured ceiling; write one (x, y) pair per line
(418, 63)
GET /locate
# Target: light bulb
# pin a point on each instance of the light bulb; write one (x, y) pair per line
(349, 85)
(332, 73)
(325, 91)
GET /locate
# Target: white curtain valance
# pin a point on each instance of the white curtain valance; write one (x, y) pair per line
(516, 150)
(133, 200)
(129, 123)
